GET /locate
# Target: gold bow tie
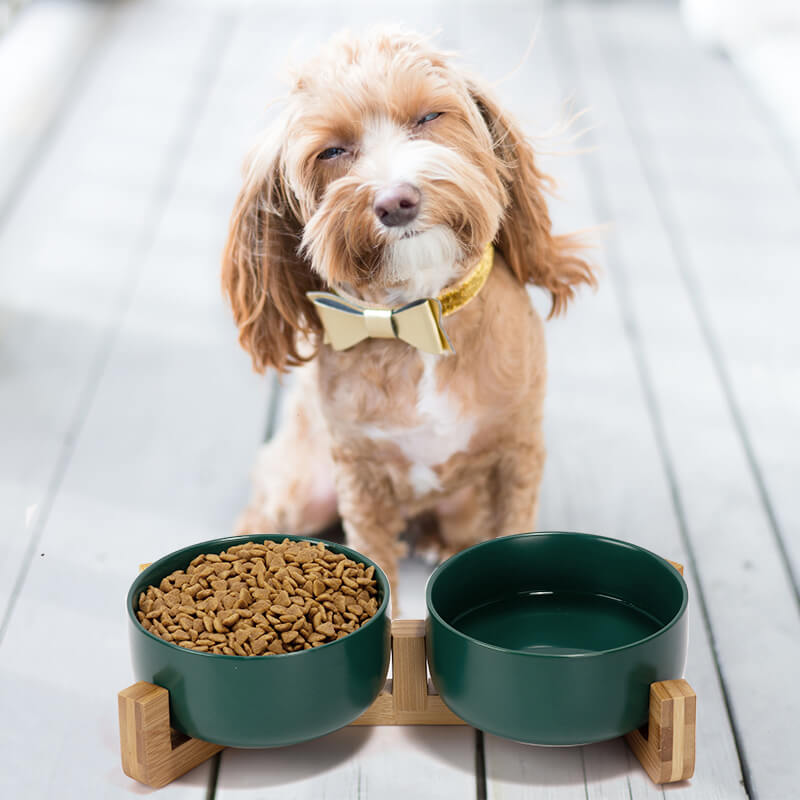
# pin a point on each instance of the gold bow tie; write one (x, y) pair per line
(348, 321)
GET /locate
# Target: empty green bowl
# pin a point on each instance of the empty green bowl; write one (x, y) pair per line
(555, 638)
(262, 701)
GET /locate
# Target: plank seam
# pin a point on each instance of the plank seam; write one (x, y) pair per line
(480, 767)
(583, 769)
(211, 789)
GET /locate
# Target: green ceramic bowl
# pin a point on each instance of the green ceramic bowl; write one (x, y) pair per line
(555, 638)
(262, 701)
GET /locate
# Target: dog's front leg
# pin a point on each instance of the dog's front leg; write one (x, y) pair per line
(518, 475)
(465, 517)
(371, 518)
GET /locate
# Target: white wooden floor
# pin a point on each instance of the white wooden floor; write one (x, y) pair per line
(129, 417)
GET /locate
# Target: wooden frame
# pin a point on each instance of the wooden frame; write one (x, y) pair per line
(155, 754)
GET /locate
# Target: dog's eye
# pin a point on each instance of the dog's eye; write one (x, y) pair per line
(429, 117)
(331, 152)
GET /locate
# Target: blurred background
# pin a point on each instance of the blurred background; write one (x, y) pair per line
(129, 417)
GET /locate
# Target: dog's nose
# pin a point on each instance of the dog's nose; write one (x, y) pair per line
(397, 205)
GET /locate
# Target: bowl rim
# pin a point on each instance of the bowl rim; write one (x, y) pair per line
(432, 612)
(232, 541)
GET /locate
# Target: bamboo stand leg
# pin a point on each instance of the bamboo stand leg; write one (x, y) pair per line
(149, 754)
(408, 699)
(667, 753)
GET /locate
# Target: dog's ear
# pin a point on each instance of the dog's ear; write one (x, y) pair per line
(262, 274)
(525, 239)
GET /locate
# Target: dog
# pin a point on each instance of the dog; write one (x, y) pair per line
(382, 241)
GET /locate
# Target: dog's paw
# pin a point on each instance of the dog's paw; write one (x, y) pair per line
(253, 520)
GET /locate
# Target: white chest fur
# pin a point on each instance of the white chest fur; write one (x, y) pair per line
(440, 432)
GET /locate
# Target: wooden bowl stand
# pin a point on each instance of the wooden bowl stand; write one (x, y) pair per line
(155, 754)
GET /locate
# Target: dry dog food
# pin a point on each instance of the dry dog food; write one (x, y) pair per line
(257, 599)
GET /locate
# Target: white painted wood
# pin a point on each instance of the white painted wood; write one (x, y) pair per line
(769, 66)
(40, 55)
(525, 772)
(381, 762)
(612, 772)
(745, 276)
(70, 254)
(604, 475)
(645, 515)
(161, 443)
(750, 600)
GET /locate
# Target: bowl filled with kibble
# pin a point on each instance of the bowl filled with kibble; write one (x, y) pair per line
(264, 640)
(554, 638)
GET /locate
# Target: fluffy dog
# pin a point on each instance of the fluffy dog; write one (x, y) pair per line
(385, 181)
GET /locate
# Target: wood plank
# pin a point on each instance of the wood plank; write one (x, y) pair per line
(380, 762)
(718, 772)
(68, 274)
(514, 770)
(494, 48)
(742, 573)
(159, 457)
(751, 322)
(604, 475)
(48, 50)
(738, 230)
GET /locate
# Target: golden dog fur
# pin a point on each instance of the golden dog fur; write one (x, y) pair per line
(363, 425)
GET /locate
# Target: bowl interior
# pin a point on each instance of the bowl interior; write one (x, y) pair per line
(557, 594)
